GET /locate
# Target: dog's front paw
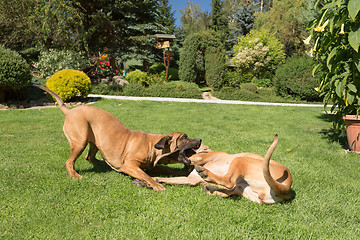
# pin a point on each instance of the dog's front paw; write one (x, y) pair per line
(138, 183)
(201, 171)
(158, 187)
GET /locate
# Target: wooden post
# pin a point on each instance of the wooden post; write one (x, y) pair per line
(163, 42)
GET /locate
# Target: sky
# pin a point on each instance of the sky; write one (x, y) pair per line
(176, 5)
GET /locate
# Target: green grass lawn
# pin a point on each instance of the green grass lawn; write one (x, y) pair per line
(39, 201)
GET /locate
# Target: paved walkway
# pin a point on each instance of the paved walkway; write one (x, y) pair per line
(158, 99)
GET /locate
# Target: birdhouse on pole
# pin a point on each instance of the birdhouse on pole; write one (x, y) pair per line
(163, 42)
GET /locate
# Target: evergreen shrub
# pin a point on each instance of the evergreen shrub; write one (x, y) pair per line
(175, 89)
(294, 78)
(191, 65)
(133, 89)
(236, 78)
(14, 71)
(228, 93)
(69, 83)
(215, 66)
(262, 82)
(157, 67)
(250, 87)
(138, 77)
(173, 74)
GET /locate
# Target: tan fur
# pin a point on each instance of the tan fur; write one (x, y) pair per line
(246, 174)
(125, 150)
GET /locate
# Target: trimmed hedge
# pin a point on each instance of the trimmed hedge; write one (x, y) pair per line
(228, 93)
(175, 89)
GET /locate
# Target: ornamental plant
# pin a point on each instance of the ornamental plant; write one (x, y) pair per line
(55, 60)
(102, 64)
(14, 71)
(258, 52)
(69, 83)
(138, 77)
(335, 34)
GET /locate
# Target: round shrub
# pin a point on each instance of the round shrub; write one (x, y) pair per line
(138, 77)
(69, 83)
(294, 78)
(250, 87)
(14, 71)
(175, 89)
(53, 61)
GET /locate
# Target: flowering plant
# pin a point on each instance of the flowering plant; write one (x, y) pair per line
(102, 64)
(258, 52)
(336, 35)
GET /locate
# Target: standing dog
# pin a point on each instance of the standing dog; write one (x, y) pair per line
(125, 150)
(246, 174)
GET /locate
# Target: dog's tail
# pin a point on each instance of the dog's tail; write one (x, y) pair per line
(61, 103)
(280, 189)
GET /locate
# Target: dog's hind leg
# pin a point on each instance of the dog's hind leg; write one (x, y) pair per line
(91, 155)
(76, 151)
(209, 176)
(222, 192)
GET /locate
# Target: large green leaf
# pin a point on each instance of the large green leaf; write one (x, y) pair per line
(350, 98)
(354, 39)
(315, 69)
(356, 59)
(331, 55)
(353, 8)
(352, 87)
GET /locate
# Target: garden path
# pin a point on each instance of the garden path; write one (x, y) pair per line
(208, 100)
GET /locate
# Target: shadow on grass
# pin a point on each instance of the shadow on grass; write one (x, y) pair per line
(98, 167)
(331, 134)
(158, 171)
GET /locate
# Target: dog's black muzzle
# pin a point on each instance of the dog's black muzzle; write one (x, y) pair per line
(188, 150)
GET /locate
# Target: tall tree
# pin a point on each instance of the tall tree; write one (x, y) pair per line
(283, 20)
(165, 17)
(193, 19)
(43, 23)
(243, 22)
(219, 22)
(218, 18)
(12, 25)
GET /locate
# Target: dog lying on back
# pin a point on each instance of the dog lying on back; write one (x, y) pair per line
(245, 174)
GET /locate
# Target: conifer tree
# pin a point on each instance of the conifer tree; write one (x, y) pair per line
(165, 17)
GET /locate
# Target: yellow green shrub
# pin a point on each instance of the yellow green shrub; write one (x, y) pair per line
(69, 83)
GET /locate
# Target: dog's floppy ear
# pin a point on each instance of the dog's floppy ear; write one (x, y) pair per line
(162, 143)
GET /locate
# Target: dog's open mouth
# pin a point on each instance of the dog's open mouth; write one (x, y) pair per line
(188, 150)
